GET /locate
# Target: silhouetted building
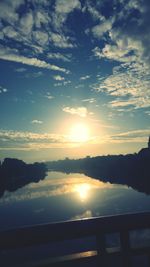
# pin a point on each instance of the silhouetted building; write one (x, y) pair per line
(145, 152)
(149, 142)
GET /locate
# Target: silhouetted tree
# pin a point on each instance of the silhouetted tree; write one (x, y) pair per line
(15, 173)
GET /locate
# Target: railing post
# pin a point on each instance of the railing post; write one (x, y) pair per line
(149, 261)
(125, 249)
(101, 249)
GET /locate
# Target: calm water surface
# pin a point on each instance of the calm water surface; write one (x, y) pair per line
(62, 197)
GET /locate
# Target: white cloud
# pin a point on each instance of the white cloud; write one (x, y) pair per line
(65, 7)
(26, 23)
(39, 27)
(66, 57)
(10, 32)
(34, 74)
(3, 90)
(36, 122)
(128, 33)
(147, 112)
(1, 35)
(66, 82)
(79, 86)
(122, 103)
(12, 55)
(62, 83)
(49, 96)
(135, 34)
(134, 136)
(95, 13)
(20, 70)
(60, 40)
(41, 18)
(8, 10)
(90, 100)
(17, 140)
(17, 135)
(40, 37)
(128, 43)
(99, 30)
(129, 85)
(137, 136)
(80, 111)
(58, 78)
(62, 9)
(85, 77)
(113, 52)
(26, 141)
(15, 3)
(58, 84)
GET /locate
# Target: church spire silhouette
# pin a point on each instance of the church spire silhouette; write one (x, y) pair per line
(149, 142)
(145, 152)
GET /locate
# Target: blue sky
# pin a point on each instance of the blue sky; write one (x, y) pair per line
(66, 63)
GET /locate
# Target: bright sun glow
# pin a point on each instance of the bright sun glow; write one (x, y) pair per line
(79, 133)
(82, 190)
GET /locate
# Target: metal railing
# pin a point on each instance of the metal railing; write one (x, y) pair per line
(98, 227)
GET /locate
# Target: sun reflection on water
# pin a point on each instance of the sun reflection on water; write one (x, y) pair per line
(55, 185)
(82, 190)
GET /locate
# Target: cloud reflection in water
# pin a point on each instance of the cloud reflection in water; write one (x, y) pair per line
(56, 184)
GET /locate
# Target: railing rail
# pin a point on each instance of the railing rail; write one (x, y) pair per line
(42, 234)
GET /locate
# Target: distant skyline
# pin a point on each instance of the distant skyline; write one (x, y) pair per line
(75, 78)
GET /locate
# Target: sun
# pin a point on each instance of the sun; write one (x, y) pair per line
(79, 133)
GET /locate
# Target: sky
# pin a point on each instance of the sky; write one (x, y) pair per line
(75, 78)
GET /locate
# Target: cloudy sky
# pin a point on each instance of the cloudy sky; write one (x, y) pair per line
(75, 77)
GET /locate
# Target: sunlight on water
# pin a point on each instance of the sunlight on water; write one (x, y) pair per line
(83, 190)
(54, 185)
(62, 196)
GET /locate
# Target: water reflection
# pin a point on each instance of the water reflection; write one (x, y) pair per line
(56, 184)
(65, 197)
(83, 190)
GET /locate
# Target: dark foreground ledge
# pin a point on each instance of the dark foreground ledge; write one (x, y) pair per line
(98, 227)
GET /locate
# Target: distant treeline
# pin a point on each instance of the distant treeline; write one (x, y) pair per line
(132, 169)
(15, 173)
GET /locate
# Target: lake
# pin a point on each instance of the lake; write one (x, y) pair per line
(61, 197)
